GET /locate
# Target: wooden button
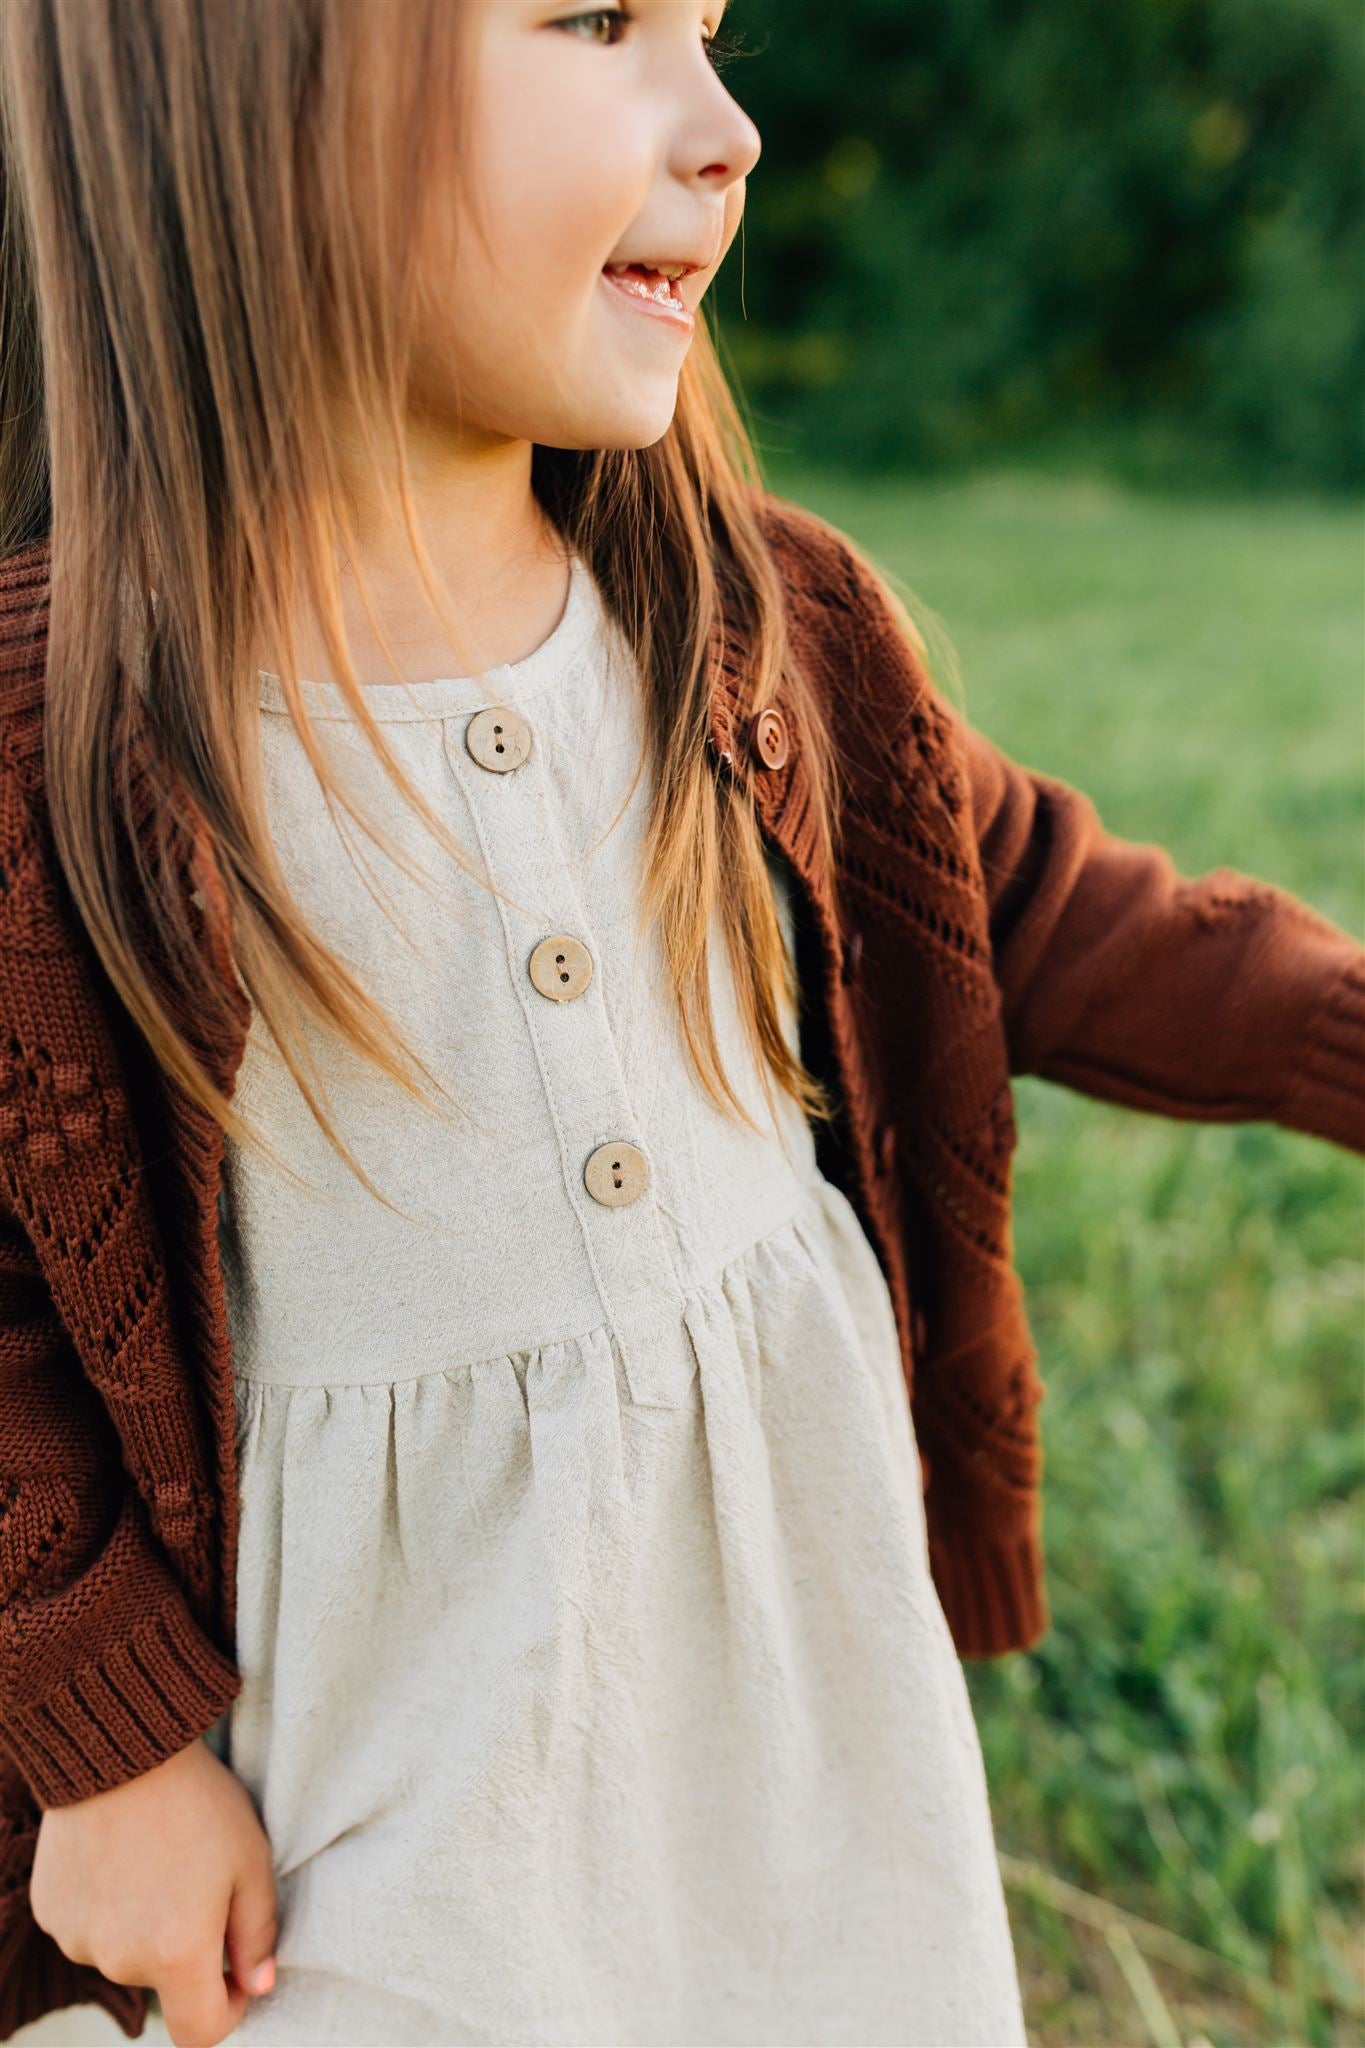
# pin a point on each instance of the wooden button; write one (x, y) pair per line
(616, 1174)
(770, 739)
(917, 1331)
(886, 1147)
(498, 738)
(561, 967)
(853, 953)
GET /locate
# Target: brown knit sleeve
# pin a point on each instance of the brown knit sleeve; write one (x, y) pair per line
(1217, 998)
(103, 1671)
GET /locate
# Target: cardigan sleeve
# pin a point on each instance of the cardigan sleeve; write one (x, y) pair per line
(1217, 998)
(103, 1671)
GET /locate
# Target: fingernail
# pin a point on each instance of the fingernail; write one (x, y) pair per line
(263, 1976)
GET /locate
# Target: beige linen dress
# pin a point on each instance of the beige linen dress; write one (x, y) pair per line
(595, 1688)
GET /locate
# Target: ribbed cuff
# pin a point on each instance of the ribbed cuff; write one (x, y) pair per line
(1326, 1097)
(123, 1713)
(992, 1594)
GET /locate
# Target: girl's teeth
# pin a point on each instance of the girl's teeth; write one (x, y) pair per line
(629, 277)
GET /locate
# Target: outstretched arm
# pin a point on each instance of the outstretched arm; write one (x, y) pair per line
(1217, 998)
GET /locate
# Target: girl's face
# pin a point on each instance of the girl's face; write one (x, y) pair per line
(597, 136)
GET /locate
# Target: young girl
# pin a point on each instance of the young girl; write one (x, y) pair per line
(588, 1682)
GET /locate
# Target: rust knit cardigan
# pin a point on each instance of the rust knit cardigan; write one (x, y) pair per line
(990, 927)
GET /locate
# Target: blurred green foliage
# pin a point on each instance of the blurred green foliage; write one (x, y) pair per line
(982, 225)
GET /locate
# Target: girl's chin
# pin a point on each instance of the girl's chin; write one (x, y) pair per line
(626, 426)
(613, 410)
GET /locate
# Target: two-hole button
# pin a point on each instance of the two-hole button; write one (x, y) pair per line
(616, 1174)
(498, 738)
(561, 967)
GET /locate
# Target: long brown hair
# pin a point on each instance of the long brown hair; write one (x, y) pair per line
(195, 256)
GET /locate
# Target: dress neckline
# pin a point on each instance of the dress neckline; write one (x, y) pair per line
(510, 682)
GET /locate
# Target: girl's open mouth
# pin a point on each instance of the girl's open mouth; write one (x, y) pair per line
(650, 292)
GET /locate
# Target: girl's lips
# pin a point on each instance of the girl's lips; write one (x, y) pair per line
(673, 311)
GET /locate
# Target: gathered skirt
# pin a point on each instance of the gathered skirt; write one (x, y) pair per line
(576, 1717)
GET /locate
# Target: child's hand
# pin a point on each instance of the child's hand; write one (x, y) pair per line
(154, 1880)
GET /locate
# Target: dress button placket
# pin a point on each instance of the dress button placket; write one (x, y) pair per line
(552, 957)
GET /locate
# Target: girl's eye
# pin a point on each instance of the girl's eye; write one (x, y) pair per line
(595, 17)
(720, 48)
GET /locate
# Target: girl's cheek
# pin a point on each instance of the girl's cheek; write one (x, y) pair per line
(596, 184)
(554, 209)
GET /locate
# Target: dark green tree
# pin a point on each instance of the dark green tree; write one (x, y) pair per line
(982, 224)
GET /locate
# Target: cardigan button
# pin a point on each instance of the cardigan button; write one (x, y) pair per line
(853, 953)
(886, 1147)
(917, 1331)
(770, 740)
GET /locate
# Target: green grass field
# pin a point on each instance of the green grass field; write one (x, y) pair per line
(1175, 1771)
